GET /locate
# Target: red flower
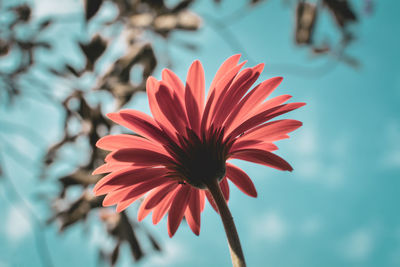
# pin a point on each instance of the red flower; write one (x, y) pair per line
(188, 142)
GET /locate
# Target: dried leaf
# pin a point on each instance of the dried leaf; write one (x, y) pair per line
(91, 8)
(341, 11)
(93, 50)
(306, 14)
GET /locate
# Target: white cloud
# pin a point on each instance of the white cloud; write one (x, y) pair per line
(359, 244)
(17, 225)
(313, 165)
(311, 226)
(173, 253)
(270, 227)
(49, 7)
(306, 143)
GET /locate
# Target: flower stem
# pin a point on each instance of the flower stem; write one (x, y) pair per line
(230, 229)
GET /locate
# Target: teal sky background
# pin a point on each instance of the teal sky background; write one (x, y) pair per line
(340, 205)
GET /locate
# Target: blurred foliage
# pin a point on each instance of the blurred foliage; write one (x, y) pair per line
(136, 18)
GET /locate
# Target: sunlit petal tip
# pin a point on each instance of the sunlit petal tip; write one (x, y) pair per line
(114, 116)
(235, 57)
(243, 63)
(120, 208)
(259, 68)
(98, 170)
(151, 82)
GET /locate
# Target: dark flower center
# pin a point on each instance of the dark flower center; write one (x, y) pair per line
(200, 160)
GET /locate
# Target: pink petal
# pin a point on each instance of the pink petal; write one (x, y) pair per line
(273, 129)
(111, 167)
(206, 114)
(139, 191)
(151, 88)
(263, 157)
(194, 95)
(144, 210)
(243, 144)
(223, 69)
(171, 107)
(155, 199)
(220, 90)
(238, 93)
(241, 180)
(140, 123)
(177, 209)
(261, 118)
(273, 102)
(224, 188)
(160, 210)
(193, 211)
(139, 156)
(202, 199)
(211, 200)
(126, 177)
(121, 206)
(233, 94)
(174, 82)
(119, 141)
(116, 196)
(219, 111)
(252, 99)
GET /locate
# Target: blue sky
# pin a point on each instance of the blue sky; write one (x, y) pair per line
(339, 207)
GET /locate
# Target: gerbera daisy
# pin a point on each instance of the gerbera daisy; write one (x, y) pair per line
(180, 156)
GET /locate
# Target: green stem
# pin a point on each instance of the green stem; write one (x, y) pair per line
(230, 229)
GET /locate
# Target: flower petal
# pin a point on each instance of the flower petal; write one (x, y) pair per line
(241, 180)
(194, 95)
(225, 67)
(117, 195)
(211, 200)
(171, 107)
(272, 129)
(237, 89)
(111, 167)
(126, 177)
(252, 99)
(139, 191)
(152, 86)
(140, 123)
(263, 157)
(160, 210)
(192, 213)
(177, 210)
(273, 102)
(155, 199)
(224, 188)
(220, 90)
(119, 141)
(202, 199)
(174, 82)
(144, 209)
(242, 144)
(139, 156)
(261, 118)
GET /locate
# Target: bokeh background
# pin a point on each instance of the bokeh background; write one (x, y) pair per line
(64, 64)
